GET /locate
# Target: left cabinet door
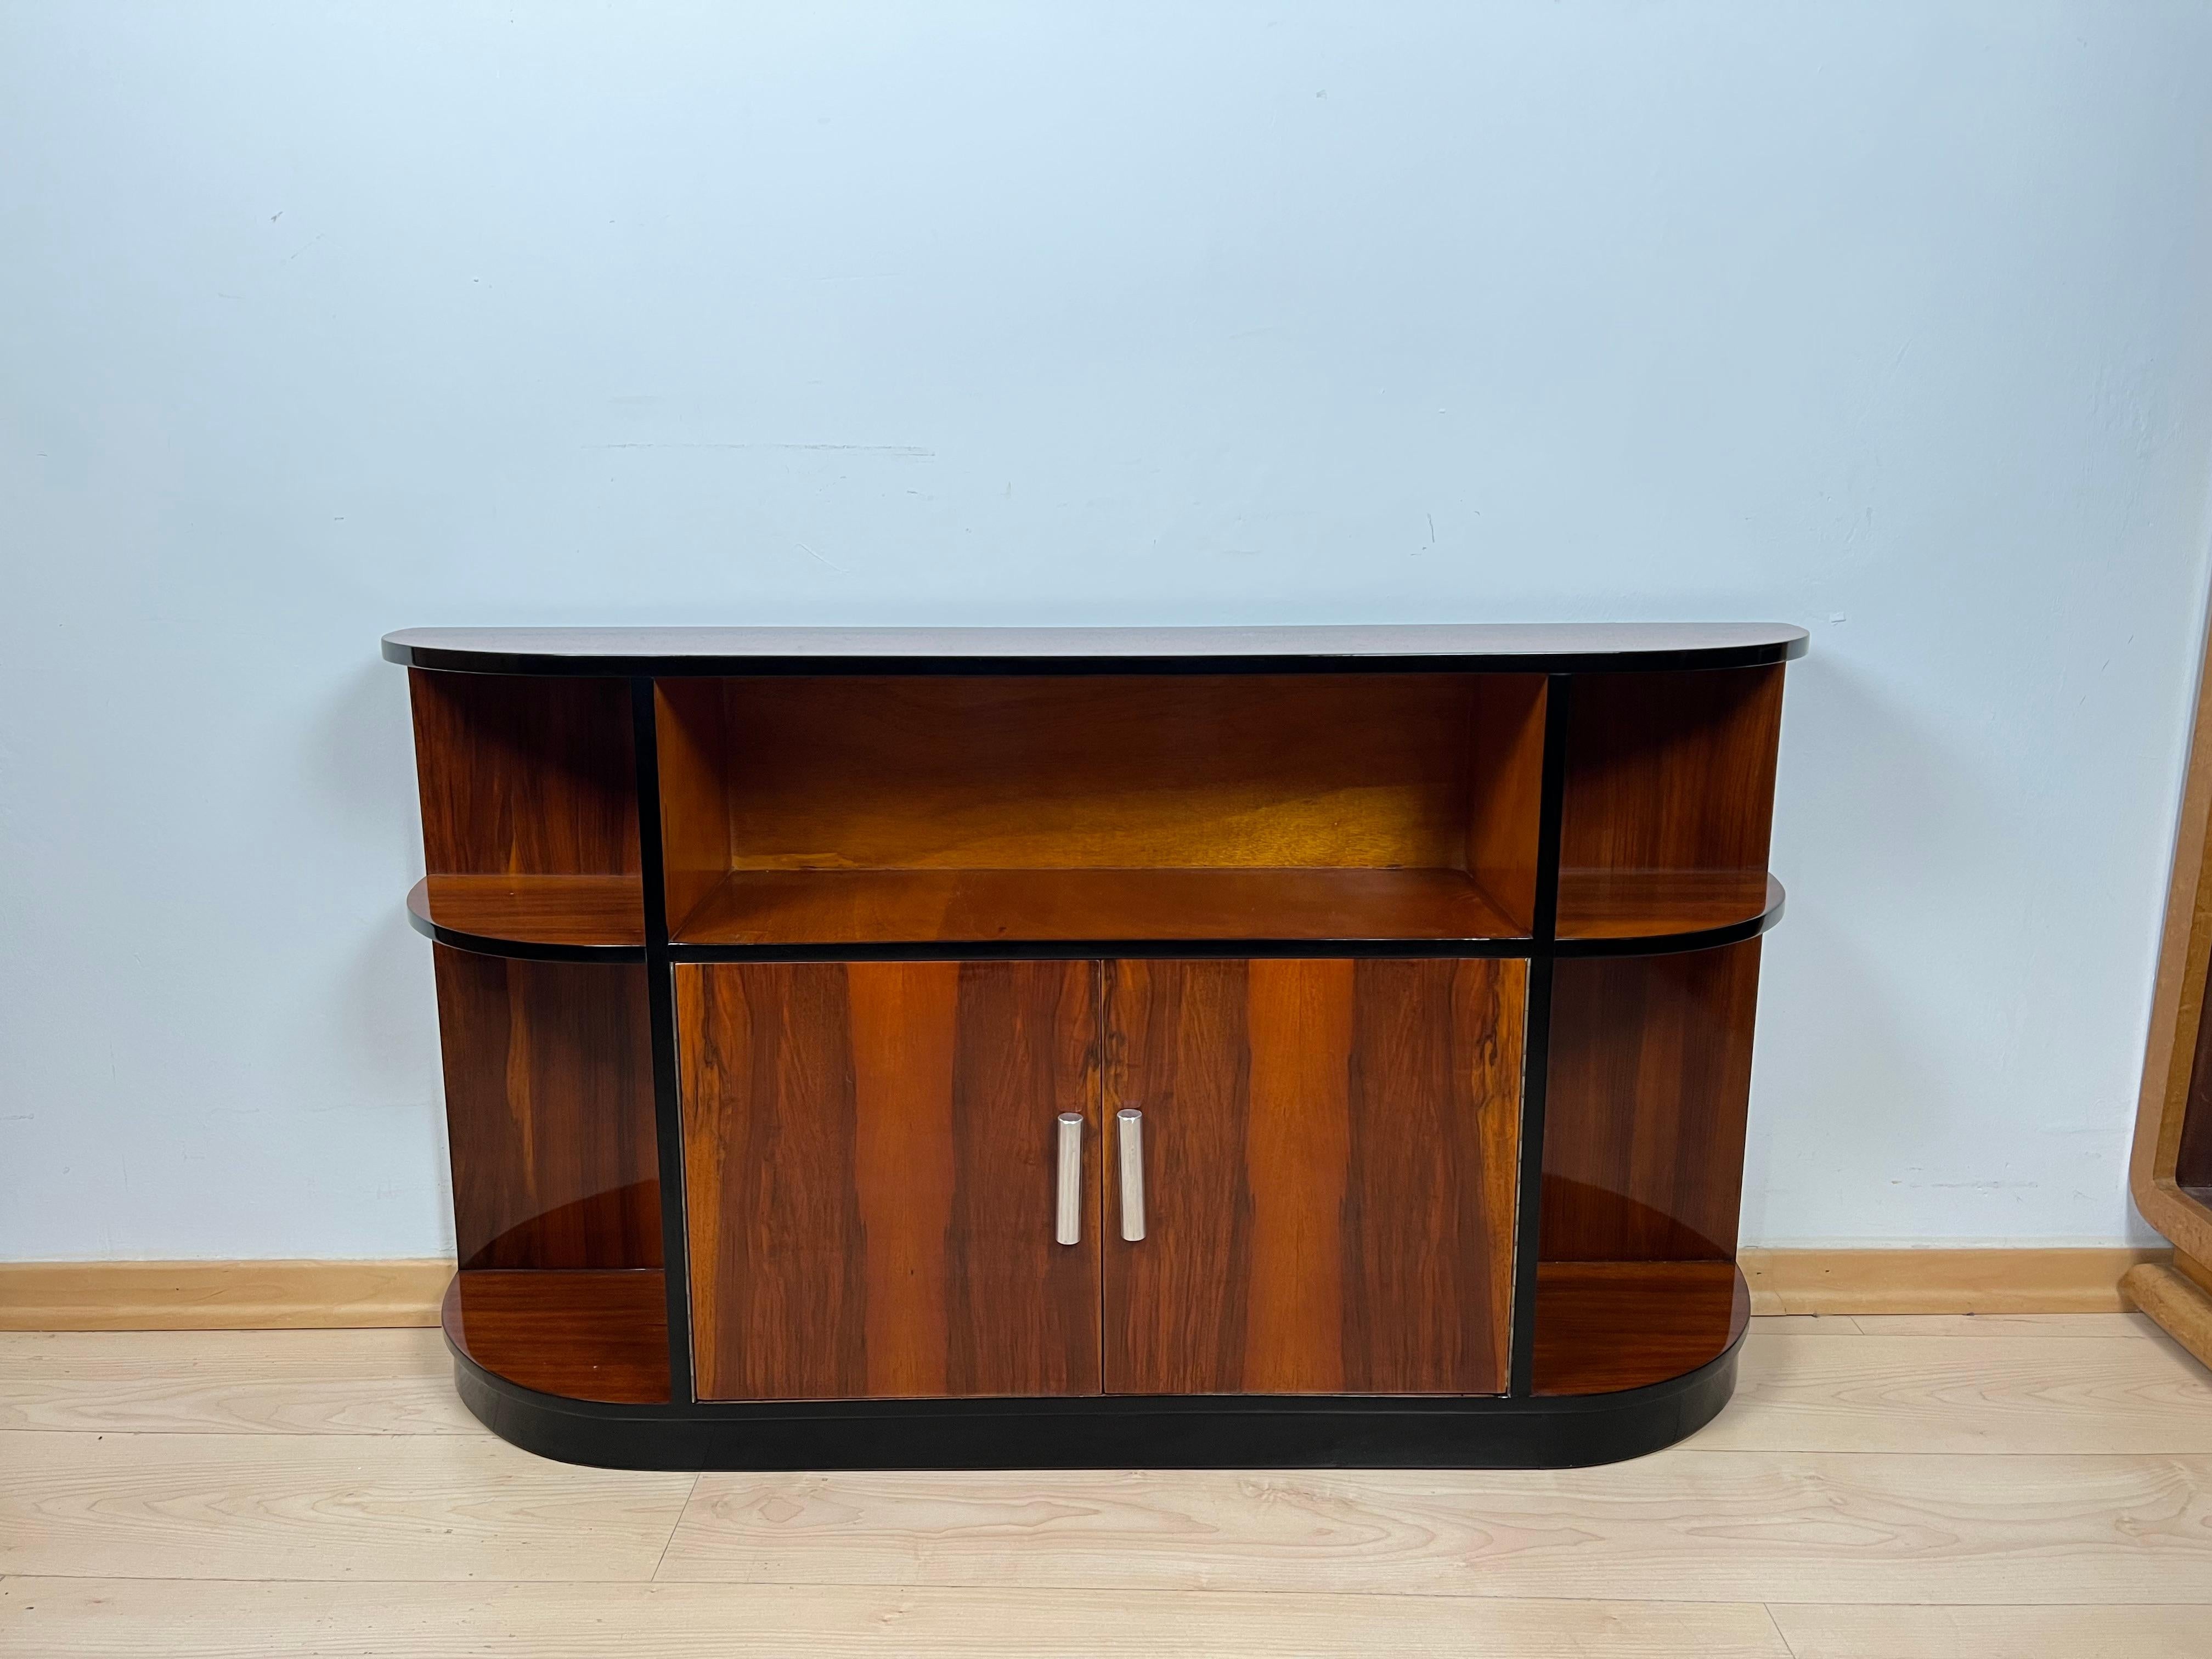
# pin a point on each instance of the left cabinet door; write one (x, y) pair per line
(872, 1156)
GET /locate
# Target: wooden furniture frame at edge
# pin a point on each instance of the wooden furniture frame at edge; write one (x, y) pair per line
(2178, 1297)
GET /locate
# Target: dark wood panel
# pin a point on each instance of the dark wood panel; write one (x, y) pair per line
(1643, 1119)
(1604, 1325)
(1654, 904)
(549, 1112)
(870, 1156)
(2193, 1167)
(1671, 772)
(596, 1336)
(1234, 771)
(1505, 742)
(807, 907)
(525, 776)
(694, 793)
(606, 910)
(1329, 1155)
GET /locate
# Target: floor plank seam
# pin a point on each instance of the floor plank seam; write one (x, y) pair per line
(675, 1527)
(1775, 1625)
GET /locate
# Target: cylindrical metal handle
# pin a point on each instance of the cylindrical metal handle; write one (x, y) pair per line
(1130, 1123)
(1069, 1227)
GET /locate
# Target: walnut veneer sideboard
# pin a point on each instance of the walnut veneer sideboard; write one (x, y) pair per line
(1065, 1047)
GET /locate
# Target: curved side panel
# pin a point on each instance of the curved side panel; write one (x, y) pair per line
(1103, 1432)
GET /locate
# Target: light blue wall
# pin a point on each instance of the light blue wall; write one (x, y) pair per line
(318, 320)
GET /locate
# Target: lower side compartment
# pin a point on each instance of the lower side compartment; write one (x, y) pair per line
(1108, 1431)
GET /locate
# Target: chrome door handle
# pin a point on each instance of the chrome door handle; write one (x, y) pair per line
(1130, 1123)
(1069, 1227)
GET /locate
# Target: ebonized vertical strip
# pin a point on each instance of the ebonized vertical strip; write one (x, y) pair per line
(1536, 1052)
(660, 1013)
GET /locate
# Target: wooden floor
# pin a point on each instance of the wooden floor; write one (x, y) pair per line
(2010, 1486)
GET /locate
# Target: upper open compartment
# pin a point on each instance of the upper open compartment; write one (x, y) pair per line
(924, 809)
(529, 810)
(1669, 803)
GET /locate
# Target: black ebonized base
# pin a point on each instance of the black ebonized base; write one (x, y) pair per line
(1119, 1432)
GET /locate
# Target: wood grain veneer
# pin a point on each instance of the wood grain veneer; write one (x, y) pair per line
(1654, 904)
(588, 1335)
(606, 910)
(869, 1153)
(1604, 1326)
(811, 907)
(549, 1112)
(1644, 1120)
(1669, 773)
(1091, 773)
(524, 776)
(1329, 1150)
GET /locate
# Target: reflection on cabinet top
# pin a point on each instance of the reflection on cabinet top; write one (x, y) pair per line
(1487, 647)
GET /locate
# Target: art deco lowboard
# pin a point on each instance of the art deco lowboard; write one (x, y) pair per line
(1009, 1046)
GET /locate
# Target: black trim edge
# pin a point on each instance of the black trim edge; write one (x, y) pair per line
(1107, 1431)
(445, 659)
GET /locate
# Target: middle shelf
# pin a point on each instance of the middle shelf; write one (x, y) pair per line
(965, 906)
(602, 917)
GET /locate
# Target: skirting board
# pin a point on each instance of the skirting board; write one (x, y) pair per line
(219, 1296)
(205, 1296)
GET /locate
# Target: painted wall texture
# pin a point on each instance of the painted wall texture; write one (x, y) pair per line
(1894, 319)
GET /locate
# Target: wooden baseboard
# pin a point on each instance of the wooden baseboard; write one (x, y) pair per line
(203, 1296)
(218, 1296)
(1987, 1281)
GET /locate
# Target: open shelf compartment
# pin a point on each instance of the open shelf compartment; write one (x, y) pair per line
(528, 788)
(939, 809)
(1667, 807)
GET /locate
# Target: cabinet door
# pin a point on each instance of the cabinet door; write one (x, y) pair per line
(1328, 1151)
(870, 1167)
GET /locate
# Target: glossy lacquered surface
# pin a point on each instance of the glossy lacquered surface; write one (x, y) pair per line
(1649, 1086)
(1330, 1151)
(869, 1158)
(596, 1336)
(939, 906)
(1609, 1326)
(549, 1113)
(1426, 962)
(1555, 648)
(1261, 778)
(586, 914)
(527, 776)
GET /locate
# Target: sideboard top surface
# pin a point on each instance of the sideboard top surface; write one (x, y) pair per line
(1488, 647)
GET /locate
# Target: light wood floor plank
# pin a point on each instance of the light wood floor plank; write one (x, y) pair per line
(2169, 1632)
(1685, 1525)
(64, 1619)
(2006, 1394)
(2000, 1324)
(1806, 1324)
(341, 1382)
(280, 1506)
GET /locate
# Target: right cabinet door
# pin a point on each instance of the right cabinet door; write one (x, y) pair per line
(1328, 1152)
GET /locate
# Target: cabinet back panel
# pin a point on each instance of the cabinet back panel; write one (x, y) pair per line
(869, 1155)
(525, 776)
(1179, 771)
(1643, 1116)
(549, 1112)
(1671, 771)
(1329, 1150)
